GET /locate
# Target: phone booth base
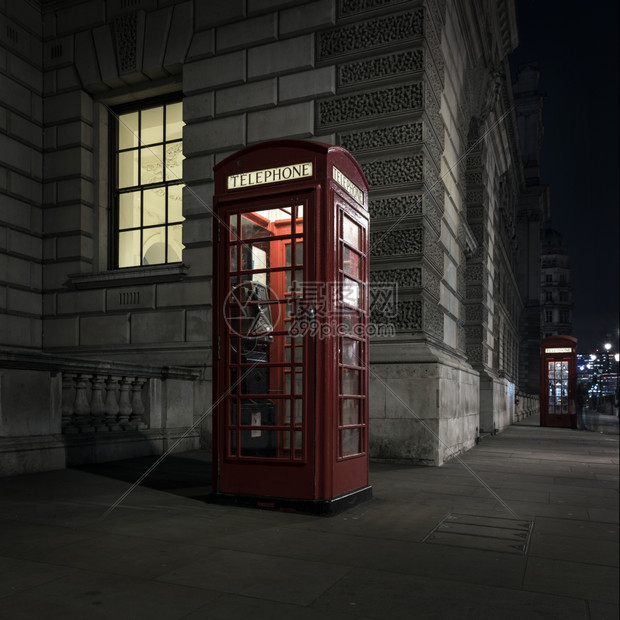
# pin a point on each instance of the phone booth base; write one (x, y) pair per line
(291, 327)
(558, 382)
(324, 508)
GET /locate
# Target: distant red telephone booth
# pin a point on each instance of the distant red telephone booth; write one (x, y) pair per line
(290, 328)
(558, 381)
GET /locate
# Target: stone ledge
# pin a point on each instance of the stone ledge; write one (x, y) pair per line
(123, 277)
(56, 363)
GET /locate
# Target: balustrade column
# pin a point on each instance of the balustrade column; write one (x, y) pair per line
(97, 408)
(137, 416)
(81, 406)
(124, 403)
(68, 386)
(111, 403)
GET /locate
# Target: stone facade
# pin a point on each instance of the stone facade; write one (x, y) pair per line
(533, 210)
(410, 87)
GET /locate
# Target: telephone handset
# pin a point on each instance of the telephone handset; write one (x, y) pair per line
(256, 317)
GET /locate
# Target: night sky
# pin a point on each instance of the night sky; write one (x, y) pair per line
(576, 47)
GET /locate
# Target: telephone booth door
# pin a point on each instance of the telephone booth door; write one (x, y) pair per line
(266, 378)
(558, 382)
(291, 245)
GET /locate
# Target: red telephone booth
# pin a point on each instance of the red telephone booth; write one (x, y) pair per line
(290, 328)
(558, 381)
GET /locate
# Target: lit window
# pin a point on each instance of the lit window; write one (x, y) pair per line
(148, 185)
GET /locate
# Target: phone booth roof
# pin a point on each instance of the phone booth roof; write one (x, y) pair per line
(283, 165)
(558, 342)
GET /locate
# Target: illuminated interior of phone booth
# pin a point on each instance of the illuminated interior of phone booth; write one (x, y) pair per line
(266, 363)
(558, 381)
(291, 398)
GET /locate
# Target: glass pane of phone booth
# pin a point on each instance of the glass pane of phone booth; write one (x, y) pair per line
(352, 307)
(265, 412)
(557, 373)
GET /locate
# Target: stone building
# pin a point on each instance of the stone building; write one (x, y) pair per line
(533, 210)
(556, 290)
(113, 114)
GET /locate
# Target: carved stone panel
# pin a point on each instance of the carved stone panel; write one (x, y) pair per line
(389, 172)
(396, 207)
(387, 30)
(404, 277)
(348, 8)
(474, 353)
(393, 136)
(409, 315)
(398, 64)
(433, 253)
(396, 242)
(369, 105)
(431, 282)
(433, 319)
(475, 272)
(126, 32)
(432, 212)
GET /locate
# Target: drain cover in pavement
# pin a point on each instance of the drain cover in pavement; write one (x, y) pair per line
(478, 532)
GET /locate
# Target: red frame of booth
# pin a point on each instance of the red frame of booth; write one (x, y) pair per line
(558, 381)
(290, 392)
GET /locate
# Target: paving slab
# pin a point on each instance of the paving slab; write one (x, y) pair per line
(403, 597)
(94, 594)
(259, 576)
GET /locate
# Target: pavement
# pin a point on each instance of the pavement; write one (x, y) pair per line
(522, 526)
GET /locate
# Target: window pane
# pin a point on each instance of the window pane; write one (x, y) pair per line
(151, 126)
(351, 441)
(350, 352)
(152, 165)
(351, 232)
(128, 130)
(350, 411)
(154, 206)
(128, 169)
(129, 248)
(233, 227)
(129, 210)
(174, 161)
(175, 203)
(174, 121)
(299, 253)
(352, 263)
(154, 246)
(351, 381)
(351, 292)
(175, 244)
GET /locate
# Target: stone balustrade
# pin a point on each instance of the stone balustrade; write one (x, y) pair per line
(58, 411)
(102, 402)
(526, 406)
(96, 396)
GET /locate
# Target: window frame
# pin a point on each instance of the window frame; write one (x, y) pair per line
(114, 191)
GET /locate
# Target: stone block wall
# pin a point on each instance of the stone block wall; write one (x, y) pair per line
(387, 79)
(21, 176)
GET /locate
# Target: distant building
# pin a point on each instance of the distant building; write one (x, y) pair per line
(533, 209)
(556, 291)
